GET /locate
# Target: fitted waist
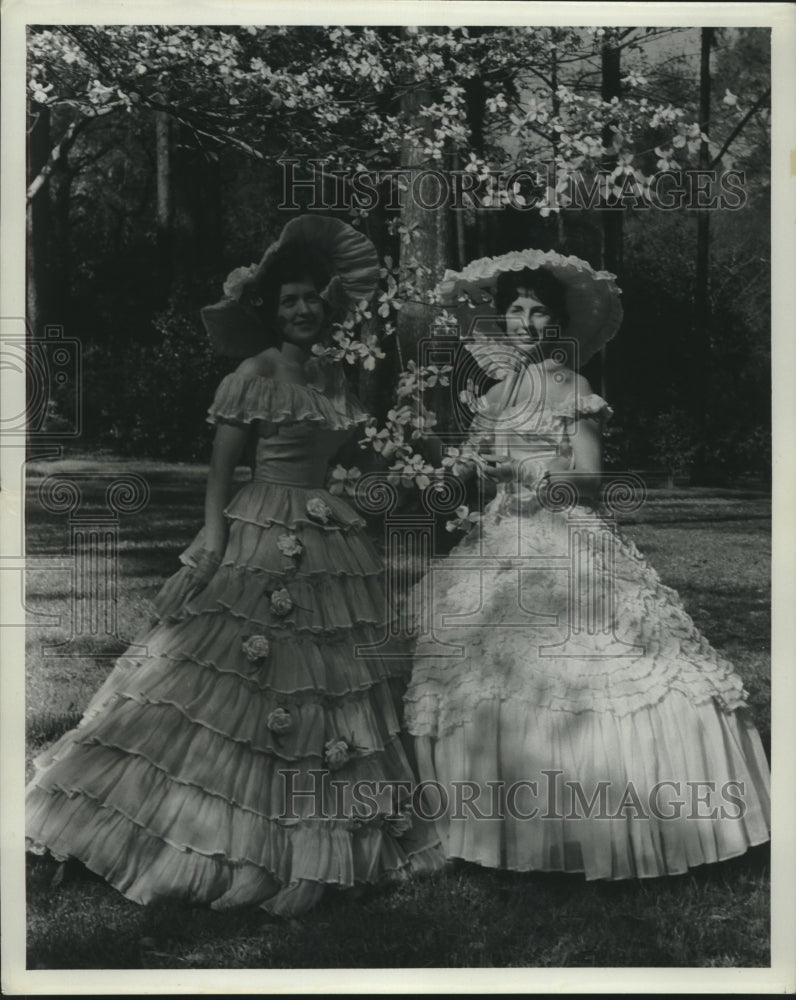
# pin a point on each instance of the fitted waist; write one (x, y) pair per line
(301, 477)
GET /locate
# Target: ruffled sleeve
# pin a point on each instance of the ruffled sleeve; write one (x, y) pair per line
(590, 405)
(242, 399)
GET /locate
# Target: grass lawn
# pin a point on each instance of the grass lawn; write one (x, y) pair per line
(711, 545)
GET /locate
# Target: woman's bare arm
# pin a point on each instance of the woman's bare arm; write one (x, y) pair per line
(584, 469)
(228, 447)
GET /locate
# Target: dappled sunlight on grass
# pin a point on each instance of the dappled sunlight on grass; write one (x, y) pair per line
(467, 916)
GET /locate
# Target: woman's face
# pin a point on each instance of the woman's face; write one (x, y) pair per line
(527, 317)
(300, 313)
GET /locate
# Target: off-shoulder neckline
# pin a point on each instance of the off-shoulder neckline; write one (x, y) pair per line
(253, 389)
(281, 382)
(557, 409)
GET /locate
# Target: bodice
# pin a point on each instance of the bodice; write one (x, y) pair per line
(531, 416)
(296, 454)
(298, 427)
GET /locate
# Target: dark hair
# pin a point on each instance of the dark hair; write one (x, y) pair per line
(544, 285)
(291, 263)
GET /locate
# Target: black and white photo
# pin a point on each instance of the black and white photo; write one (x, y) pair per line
(396, 453)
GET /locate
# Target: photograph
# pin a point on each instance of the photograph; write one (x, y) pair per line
(397, 497)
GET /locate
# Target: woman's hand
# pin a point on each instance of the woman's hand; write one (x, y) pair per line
(201, 573)
(498, 468)
(207, 562)
(184, 585)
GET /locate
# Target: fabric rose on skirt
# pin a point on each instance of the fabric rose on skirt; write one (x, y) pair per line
(397, 824)
(256, 647)
(318, 510)
(281, 602)
(280, 721)
(336, 753)
(289, 545)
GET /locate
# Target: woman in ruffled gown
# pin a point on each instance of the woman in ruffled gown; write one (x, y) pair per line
(567, 714)
(229, 765)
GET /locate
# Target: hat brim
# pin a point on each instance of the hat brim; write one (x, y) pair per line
(352, 261)
(350, 255)
(234, 331)
(592, 297)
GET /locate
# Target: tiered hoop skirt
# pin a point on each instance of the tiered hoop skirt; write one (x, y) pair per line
(222, 766)
(555, 660)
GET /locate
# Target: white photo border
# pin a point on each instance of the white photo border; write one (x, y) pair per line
(781, 976)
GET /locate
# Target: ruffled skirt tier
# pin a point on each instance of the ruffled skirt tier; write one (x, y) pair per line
(201, 770)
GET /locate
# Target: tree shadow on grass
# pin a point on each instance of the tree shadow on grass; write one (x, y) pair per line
(691, 919)
(468, 916)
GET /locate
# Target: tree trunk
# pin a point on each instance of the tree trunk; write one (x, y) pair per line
(38, 223)
(61, 290)
(164, 220)
(475, 105)
(458, 219)
(700, 361)
(561, 234)
(196, 219)
(612, 220)
(612, 230)
(426, 242)
(211, 242)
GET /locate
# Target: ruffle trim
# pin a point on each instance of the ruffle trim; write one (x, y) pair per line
(585, 406)
(245, 398)
(317, 606)
(265, 504)
(334, 578)
(109, 757)
(221, 706)
(489, 420)
(295, 663)
(323, 598)
(246, 861)
(436, 704)
(596, 673)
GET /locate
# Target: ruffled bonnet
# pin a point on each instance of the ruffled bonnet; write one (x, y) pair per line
(592, 297)
(236, 330)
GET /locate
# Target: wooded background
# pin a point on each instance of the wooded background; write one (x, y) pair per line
(153, 171)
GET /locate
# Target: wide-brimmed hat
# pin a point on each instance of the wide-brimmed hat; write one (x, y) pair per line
(592, 297)
(235, 327)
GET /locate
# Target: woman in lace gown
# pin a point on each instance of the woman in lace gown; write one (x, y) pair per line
(567, 714)
(222, 767)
